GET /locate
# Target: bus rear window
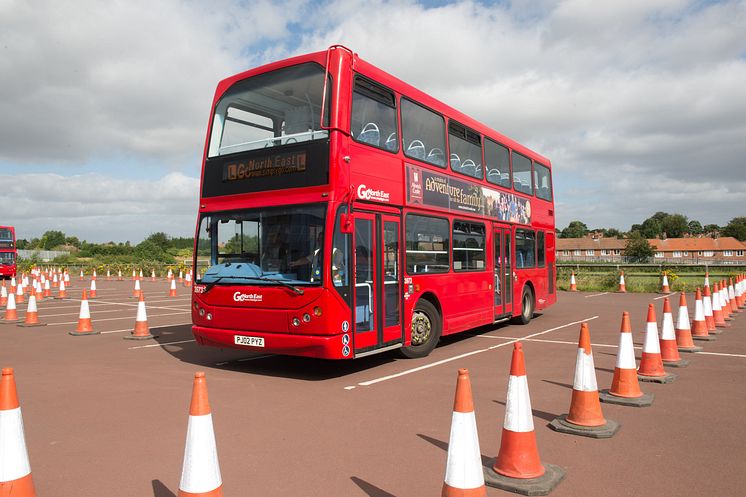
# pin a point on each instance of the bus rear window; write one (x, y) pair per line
(543, 181)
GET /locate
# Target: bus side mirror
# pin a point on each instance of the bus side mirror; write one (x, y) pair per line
(346, 223)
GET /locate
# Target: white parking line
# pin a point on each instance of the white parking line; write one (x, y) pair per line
(160, 344)
(451, 359)
(721, 354)
(151, 328)
(664, 296)
(597, 295)
(126, 317)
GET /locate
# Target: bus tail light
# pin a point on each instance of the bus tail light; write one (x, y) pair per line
(317, 311)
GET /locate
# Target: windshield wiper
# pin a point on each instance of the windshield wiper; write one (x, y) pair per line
(260, 278)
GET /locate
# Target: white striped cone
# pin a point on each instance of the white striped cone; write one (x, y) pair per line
(119, 275)
(20, 294)
(11, 313)
(732, 296)
(13, 284)
(108, 275)
(622, 286)
(651, 362)
(707, 305)
(142, 330)
(625, 384)
(136, 293)
(668, 346)
(93, 289)
(134, 275)
(141, 274)
(200, 473)
(3, 295)
(707, 279)
(585, 407)
(739, 292)
(573, 283)
(62, 290)
(181, 276)
(464, 476)
(518, 456)
(664, 287)
(32, 313)
(172, 291)
(15, 469)
(85, 327)
(67, 278)
(81, 275)
(47, 289)
(94, 274)
(152, 275)
(55, 281)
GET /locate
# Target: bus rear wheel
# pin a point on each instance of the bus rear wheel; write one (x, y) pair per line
(425, 330)
(527, 306)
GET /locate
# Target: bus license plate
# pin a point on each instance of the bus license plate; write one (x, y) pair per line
(250, 341)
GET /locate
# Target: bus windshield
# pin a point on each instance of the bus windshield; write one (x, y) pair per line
(276, 108)
(7, 258)
(258, 246)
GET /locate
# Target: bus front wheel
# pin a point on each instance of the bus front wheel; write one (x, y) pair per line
(527, 306)
(424, 330)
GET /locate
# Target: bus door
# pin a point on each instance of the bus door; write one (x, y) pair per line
(378, 284)
(503, 284)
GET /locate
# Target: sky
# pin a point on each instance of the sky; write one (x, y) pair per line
(639, 104)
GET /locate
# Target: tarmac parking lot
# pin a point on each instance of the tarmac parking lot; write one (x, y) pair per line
(105, 416)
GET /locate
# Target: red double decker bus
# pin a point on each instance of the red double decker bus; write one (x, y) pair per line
(8, 253)
(343, 213)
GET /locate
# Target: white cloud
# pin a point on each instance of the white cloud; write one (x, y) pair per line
(620, 95)
(99, 208)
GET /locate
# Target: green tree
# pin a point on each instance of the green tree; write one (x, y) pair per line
(161, 239)
(72, 241)
(736, 228)
(711, 229)
(695, 227)
(675, 225)
(576, 229)
(638, 249)
(651, 228)
(52, 239)
(148, 250)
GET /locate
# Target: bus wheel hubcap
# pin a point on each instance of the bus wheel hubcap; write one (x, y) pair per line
(421, 328)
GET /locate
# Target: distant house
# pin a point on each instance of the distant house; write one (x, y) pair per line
(723, 250)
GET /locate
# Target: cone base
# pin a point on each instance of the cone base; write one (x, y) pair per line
(33, 325)
(681, 363)
(666, 378)
(562, 425)
(704, 338)
(690, 350)
(9, 321)
(140, 337)
(542, 485)
(646, 400)
(81, 333)
(60, 298)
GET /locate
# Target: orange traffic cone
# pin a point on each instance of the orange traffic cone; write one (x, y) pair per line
(651, 363)
(20, 294)
(464, 464)
(142, 330)
(38, 291)
(664, 285)
(152, 275)
(172, 292)
(732, 297)
(85, 327)
(93, 288)
(625, 387)
(11, 314)
(15, 470)
(683, 328)
(137, 291)
(739, 293)
(699, 328)
(668, 346)
(585, 417)
(517, 466)
(62, 292)
(3, 294)
(200, 474)
(108, 274)
(717, 309)
(725, 301)
(707, 305)
(622, 288)
(81, 275)
(119, 276)
(573, 285)
(188, 279)
(32, 314)
(47, 290)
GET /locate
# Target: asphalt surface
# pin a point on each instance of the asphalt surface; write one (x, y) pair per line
(107, 417)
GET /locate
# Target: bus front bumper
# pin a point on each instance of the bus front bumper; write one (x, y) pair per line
(320, 346)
